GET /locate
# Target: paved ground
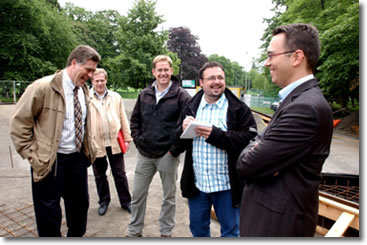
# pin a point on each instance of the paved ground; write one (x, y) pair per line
(16, 209)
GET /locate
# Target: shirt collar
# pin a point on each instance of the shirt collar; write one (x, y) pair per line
(156, 87)
(283, 93)
(100, 96)
(219, 103)
(69, 85)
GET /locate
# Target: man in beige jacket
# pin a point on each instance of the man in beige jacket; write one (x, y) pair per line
(43, 130)
(108, 118)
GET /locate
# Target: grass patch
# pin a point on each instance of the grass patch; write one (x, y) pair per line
(264, 110)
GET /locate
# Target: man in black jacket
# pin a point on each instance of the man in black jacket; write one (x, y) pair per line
(152, 125)
(209, 176)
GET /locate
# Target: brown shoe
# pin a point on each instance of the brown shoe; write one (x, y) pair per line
(166, 236)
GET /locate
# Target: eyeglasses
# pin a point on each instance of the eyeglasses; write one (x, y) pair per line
(213, 78)
(271, 55)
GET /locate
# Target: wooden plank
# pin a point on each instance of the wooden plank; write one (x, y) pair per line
(332, 210)
(341, 225)
(321, 230)
(339, 206)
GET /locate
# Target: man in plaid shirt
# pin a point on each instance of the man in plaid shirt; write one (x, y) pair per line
(209, 176)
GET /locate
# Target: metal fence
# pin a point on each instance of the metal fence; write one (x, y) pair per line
(259, 101)
(262, 101)
(10, 91)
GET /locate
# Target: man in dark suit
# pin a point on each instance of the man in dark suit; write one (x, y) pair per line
(282, 167)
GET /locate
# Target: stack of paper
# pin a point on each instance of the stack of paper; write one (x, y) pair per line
(189, 132)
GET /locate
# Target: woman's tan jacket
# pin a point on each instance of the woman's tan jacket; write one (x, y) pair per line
(117, 119)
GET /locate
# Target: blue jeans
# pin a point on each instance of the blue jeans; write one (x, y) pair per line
(200, 208)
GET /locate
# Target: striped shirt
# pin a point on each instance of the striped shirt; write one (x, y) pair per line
(211, 163)
(67, 141)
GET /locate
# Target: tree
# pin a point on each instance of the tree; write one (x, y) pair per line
(339, 62)
(235, 75)
(138, 44)
(258, 81)
(95, 29)
(36, 39)
(185, 45)
(338, 25)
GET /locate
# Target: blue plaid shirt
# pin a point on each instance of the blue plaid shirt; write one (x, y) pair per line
(211, 163)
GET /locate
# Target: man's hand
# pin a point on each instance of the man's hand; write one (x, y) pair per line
(203, 131)
(187, 121)
(127, 144)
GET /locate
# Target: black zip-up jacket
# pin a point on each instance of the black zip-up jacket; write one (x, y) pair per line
(241, 129)
(152, 125)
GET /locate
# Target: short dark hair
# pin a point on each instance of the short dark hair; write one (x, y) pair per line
(304, 37)
(82, 54)
(210, 64)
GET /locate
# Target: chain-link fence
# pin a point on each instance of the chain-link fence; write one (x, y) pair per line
(10, 91)
(259, 101)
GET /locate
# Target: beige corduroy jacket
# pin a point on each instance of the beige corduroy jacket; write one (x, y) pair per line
(116, 116)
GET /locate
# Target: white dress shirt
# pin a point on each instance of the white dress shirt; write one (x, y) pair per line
(67, 141)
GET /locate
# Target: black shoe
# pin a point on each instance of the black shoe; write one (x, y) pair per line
(127, 208)
(102, 208)
(136, 235)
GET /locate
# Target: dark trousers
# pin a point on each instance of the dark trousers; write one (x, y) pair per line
(119, 175)
(70, 183)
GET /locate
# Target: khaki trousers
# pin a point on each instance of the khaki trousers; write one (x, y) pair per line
(145, 170)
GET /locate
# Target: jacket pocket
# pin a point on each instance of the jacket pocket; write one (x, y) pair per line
(41, 155)
(271, 202)
(261, 217)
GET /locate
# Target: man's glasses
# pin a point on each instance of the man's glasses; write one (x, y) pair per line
(271, 55)
(213, 78)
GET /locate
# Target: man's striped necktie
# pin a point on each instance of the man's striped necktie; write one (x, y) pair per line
(78, 120)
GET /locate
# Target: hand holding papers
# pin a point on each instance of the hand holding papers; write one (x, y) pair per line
(189, 132)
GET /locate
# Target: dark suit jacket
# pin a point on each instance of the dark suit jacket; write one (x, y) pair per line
(282, 172)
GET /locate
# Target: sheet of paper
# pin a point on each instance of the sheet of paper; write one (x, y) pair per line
(189, 132)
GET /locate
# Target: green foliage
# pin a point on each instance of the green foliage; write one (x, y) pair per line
(265, 110)
(128, 94)
(338, 25)
(235, 75)
(138, 43)
(252, 80)
(97, 30)
(339, 69)
(36, 39)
